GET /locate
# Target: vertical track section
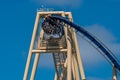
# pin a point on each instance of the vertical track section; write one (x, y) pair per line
(106, 52)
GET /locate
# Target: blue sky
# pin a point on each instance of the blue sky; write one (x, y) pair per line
(100, 17)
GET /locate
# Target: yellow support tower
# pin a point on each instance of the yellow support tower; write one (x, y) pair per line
(65, 50)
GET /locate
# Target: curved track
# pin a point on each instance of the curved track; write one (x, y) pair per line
(94, 40)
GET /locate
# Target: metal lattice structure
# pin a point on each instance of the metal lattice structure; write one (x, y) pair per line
(64, 49)
(58, 37)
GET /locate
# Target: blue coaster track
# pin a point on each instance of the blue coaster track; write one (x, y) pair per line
(102, 47)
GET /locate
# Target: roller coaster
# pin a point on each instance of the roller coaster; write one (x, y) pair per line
(54, 27)
(53, 21)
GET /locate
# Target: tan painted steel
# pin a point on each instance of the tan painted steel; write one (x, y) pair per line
(114, 77)
(69, 54)
(55, 78)
(31, 47)
(69, 62)
(71, 65)
(77, 50)
(37, 56)
(49, 51)
(77, 77)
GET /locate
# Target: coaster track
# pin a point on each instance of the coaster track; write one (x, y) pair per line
(52, 20)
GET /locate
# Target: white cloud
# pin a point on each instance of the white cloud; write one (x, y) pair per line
(59, 3)
(101, 32)
(105, 36)
(93, 61)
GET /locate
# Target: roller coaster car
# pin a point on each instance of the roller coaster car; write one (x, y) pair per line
(53, 28)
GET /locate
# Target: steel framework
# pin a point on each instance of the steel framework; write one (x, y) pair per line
(65, 51)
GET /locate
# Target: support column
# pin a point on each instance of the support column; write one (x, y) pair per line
(114, 76)
(77, 52)
(77, 77)
(55, 78)
(31, 47)
(79, 58)
(73, 70)
(37, 55)
(69, 54)
(69, 61)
